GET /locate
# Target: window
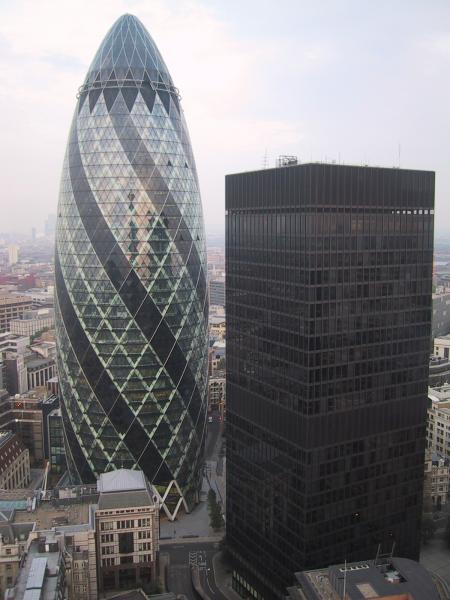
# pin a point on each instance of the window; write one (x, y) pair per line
(146, 534)
(125, 524)
(107, 525)
(126, 543)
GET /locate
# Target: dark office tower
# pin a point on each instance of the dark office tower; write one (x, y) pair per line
(328, 300)
(131, 296)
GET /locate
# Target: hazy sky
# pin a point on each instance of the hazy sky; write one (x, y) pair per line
(350, 80)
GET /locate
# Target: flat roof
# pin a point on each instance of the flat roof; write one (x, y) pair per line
(121, 480)
(330, 165)
(47, 516)
(392, 578)
(36, 576)
(128, 499)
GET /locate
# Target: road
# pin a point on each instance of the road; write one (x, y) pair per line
(181, 557)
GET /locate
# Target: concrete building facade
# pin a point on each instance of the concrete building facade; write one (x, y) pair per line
(33, 321)
(14, 462)
(12, 307)
(127, 530)
(436, 481)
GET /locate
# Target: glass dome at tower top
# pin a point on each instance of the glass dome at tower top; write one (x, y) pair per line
(128, 52)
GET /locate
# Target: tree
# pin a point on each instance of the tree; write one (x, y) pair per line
(215, 511)
(221, 365)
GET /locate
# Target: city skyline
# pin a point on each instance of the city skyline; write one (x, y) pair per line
(354, 83)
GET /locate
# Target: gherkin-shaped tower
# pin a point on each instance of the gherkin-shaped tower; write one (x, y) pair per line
(131, 296)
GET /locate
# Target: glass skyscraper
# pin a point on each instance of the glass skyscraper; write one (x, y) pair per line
(131, 294)
(329, 278)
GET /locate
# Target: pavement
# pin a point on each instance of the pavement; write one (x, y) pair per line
(182, 558)
(189, 542)
(196, 523)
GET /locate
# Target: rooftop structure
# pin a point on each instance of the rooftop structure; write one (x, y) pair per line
(42, 575)
(439, 371)
(391, 579)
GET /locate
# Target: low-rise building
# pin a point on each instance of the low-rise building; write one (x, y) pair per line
(217, 327)
(14, 462)
(13, 545)
(39, 371)
(10, 342)
(217, 394)
(104, 538)
(438, 421)
(441, 313)
(127, 531)
(442, 346)
(33, 321)
(438, 371)
(436, 481)
(23, 414)
(12, 307)
(393, 578)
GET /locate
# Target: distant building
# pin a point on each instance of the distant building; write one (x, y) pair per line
(14, 462)
(393, 579)
(15, 373)
(216, 394)
(41, 297)
(216, 352)
(217, 291)
(50, 225)
(217, 327)
(33, 321)
(436, 481)
(10, 342)
(439, 371)
(441, 314)
(127, 531)
(438, 421)
(12, 307)
(13, 255)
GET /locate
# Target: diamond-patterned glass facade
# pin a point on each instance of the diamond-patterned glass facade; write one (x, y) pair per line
(131, 297)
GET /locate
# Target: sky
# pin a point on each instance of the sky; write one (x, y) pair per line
(356, 81)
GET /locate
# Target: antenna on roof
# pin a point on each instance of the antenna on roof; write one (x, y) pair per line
(265, 162)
